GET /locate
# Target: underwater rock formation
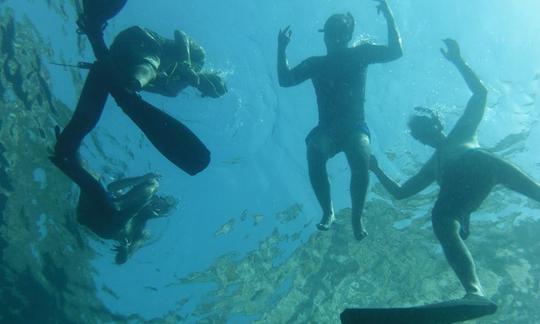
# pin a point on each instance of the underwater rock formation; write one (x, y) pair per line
(392, 267)
(45, 271)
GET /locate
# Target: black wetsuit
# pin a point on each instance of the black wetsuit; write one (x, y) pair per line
(110, 75)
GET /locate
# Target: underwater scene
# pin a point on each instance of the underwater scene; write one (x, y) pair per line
(238, 162)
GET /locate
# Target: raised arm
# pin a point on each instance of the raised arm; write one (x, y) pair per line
(394, 49)
(289, 77)
(467, 125)
(414, 185)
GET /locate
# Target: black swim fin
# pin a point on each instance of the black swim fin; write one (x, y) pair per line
(98, 214)
(103, 219)
(102, 10)
(172, 138)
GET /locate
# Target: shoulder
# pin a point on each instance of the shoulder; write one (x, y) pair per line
(314, 60)
(365, 47)
(309, 64)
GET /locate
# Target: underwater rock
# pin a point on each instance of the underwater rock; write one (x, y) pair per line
(44, 279)
(392, 267)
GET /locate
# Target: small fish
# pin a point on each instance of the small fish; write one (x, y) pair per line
(225, 228)
(232, 161)
(257, 219)
(110, 292)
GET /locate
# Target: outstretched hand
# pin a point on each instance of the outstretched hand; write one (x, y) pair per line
(382, 7)
(452, 52)
(284, 37)
(211, 85)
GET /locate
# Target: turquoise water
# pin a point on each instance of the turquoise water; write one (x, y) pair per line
(242, 247)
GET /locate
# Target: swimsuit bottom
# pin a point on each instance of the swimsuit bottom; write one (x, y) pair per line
(331, 140)
(466, 182)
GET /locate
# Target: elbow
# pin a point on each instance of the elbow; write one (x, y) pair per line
(397, 52)
(284, 85)
(284, 82)
(400, 195)
(393, 54)
(482, 92)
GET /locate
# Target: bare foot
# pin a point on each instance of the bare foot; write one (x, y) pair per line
(478, 299)
(326, 222)
(475, 296)
(358, 229)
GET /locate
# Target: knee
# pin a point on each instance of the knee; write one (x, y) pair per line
(153, 184)
(64, 153)
(125, 99)
(316, 159)
(359, 156)
(444, 228)
(151, 187)
(359, 166)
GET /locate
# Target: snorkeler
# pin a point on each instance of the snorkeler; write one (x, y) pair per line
(138, 60)
(137, 198)
(465, 173)
(339, 80)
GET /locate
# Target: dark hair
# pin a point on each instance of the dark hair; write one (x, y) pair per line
(340, 23)
(424, 118)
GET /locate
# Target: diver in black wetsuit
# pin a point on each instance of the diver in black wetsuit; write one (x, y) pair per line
(136, 196)
(465, 173)
(138, 60)
(339, 80)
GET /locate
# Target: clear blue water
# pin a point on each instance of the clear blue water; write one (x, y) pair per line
(256, 132)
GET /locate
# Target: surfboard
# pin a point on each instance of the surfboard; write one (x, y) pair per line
(438, 313)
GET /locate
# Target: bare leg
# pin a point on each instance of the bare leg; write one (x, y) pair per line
(513, 178)
(321, 186)
(358, 157)
(457, 254)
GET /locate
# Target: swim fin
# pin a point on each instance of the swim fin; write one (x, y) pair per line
(172, 138)
(98, 214)
(102, 10)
